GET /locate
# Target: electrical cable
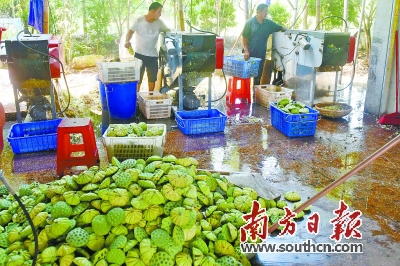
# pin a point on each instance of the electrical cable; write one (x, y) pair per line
(226, 88)
(345, 21)
(55, 58)
(352, 77)
(28, 217)
(190, 25)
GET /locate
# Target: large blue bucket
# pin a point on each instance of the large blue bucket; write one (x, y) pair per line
(103, 97)
(121, 99)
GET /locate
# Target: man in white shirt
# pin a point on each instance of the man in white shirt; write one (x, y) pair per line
(147, 29)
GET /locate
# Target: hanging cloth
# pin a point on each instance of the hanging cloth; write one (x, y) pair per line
(35, 18)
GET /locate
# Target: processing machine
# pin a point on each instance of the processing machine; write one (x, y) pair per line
(186, 59)
(303, 55)
(32, 61)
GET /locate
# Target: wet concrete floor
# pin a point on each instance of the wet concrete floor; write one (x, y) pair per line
(306, 165)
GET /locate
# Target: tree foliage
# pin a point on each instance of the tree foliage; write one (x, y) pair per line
(203, 14)
(64, 23)
(369, 17)
(279, 14)
(15, 9)
(331, 8)
(97, 25)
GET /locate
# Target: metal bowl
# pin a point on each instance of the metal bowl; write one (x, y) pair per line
(343, 109)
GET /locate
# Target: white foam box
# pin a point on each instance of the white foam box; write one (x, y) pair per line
(118, 72)
(265, 94)
(155, 105)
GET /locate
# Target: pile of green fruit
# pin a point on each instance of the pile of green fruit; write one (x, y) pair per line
(134, 130)
(292, 107)
(159, 211)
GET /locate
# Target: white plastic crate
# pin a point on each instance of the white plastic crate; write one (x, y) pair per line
(135, 147)
(154, 105)
(117, 72)
(265, 94)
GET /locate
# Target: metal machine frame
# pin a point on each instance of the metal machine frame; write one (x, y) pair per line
(31, 65)
(302, 53)
(186, 59)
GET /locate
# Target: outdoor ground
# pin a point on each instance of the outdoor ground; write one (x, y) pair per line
(306, 165)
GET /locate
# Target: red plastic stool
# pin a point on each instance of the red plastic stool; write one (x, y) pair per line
(238, 88)
(82, 151)
(2, 122)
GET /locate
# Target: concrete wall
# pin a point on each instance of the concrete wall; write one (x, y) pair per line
(380, 96)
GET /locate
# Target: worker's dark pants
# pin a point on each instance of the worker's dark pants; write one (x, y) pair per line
(257, 79)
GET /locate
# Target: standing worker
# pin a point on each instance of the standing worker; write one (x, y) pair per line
(147, 29)
(255, 37)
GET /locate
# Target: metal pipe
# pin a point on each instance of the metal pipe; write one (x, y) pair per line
(358, 42)
(349, 174)
(345, 14)
(209, 92)
(336, 85)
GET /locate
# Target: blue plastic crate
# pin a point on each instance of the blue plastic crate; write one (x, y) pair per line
(294, 125)
(34, 136)
(236, 66)
(200, 121)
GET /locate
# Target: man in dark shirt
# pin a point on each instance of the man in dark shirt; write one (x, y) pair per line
(255, 36)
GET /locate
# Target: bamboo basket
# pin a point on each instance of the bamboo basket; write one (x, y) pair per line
(345, 109)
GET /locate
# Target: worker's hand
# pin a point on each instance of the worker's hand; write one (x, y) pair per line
(246, 55)
(127, 45)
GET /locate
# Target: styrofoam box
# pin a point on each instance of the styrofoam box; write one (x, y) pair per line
(265, 94)
(118, 72)
(154, 105)
(135, 147)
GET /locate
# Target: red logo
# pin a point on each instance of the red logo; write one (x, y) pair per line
(257, 223)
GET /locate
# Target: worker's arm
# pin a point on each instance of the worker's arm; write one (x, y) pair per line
(245, 48)
(283, 29)
(128, 38)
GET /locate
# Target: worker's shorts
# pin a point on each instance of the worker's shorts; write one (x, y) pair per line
(150, 64)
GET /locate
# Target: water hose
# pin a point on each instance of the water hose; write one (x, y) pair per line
(16, 197)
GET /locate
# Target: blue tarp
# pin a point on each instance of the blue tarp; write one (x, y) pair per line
(35, 18)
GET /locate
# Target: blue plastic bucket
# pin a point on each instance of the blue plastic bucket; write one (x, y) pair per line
(105, 121)
(121, 99)
(102, 91)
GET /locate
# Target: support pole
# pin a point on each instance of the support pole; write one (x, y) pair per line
(209, 92)
(296, 5)
(344, 29)
(318, 12)
(46, 16)
(180, 12)
(246, 9)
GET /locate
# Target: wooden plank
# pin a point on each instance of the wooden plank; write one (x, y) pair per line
(252, 180)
